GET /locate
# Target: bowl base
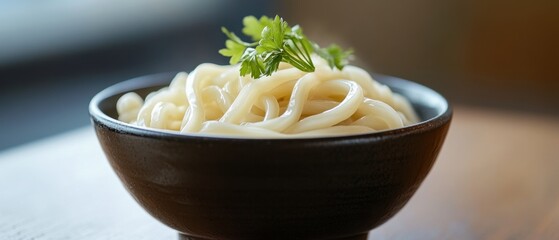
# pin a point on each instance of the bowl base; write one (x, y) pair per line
(356, 237)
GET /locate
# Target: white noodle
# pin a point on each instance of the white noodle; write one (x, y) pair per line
(214, 100)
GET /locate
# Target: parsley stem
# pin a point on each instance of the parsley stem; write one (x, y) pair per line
(305, 54)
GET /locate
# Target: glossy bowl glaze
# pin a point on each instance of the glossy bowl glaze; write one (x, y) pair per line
(313, 188)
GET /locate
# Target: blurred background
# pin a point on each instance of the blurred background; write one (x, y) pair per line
(56, 54)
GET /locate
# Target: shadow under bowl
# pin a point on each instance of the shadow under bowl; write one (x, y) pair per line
(310, 188)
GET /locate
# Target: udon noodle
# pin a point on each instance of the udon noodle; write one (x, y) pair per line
(214, 100)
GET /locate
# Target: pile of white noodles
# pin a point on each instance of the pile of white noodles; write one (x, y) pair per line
(216, 100)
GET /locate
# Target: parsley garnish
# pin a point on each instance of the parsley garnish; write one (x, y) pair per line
(274, 41)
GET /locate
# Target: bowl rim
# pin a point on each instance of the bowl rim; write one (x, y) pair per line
(98, 117)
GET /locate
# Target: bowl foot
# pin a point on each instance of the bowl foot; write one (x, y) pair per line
(356, 237)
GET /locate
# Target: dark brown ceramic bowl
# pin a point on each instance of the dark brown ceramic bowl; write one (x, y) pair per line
(315, 188)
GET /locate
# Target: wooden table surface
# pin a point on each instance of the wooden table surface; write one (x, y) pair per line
(497, 177)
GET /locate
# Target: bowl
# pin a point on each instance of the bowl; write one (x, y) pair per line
(309, 188)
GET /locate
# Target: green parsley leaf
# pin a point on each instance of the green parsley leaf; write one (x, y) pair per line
(233, 50)
(273, 36)
(252, 64)
(235, 47)
(275, 42)
(334, 55)
(273, 60)
(253, 26)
